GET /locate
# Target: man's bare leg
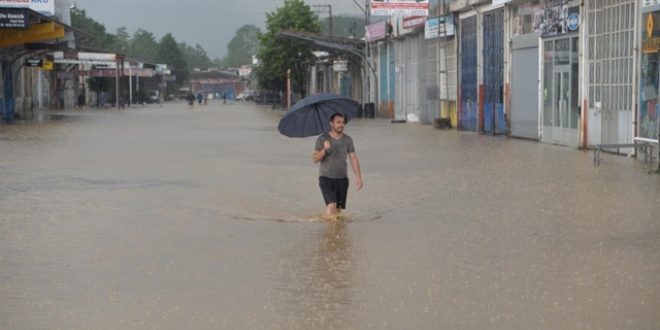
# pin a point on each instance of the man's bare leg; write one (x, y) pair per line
(331, 211)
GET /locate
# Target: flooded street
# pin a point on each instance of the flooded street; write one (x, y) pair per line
(169, 218)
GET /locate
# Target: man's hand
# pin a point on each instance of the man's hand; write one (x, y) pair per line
(326, 146)
(359, 184)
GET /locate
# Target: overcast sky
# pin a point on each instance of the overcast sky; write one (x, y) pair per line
(210, 23)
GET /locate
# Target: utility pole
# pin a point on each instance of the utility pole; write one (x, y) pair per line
(329, 13)
(368, 69)
(367, 21)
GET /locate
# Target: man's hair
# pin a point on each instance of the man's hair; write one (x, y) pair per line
(336, 114)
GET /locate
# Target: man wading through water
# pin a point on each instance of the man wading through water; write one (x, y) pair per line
(331, 150)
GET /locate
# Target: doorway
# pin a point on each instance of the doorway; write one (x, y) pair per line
(561, 110)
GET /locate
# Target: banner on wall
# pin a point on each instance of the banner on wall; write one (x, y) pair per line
(559, 17)
(14, 19)
(498, 3)
(375, 31)
(413, 21)
(400, 7)
(439, 27)
(646, 3)
(44, 7)
(554, 17)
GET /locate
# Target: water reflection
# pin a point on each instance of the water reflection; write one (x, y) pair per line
(318, 282)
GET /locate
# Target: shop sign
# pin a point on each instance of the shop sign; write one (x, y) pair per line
(14, 19)
(375, 31)
(400, 7)
(340, 66)
(650, 43)
(646, 3)
(44, 7)
(97, 73)
(439, 27)
(413, 21)
(47, 65)
(573, 21)
(34, 63)
(497, 3)
(64, 75)
(558, 17)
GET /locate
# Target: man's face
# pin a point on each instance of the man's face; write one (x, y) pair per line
(338, 124)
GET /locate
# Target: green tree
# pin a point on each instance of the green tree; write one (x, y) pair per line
(242, 46)
(168, 52)
(102, 39)
(196, 57)
(277, 56)
(122, 40)
(144, 46)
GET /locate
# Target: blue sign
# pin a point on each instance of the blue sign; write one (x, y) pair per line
(573, 21)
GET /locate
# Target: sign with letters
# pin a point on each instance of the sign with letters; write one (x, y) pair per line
(34, 63)
(400, 7)
(14, 19)
(44, 7)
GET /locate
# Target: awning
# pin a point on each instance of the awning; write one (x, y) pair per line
(337, 45)
(28, 26)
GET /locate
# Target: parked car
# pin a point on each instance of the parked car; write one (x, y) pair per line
(245, 96)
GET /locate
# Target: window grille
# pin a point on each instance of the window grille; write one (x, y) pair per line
(610, 43)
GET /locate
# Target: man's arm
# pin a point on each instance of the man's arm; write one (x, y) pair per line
(318, 155)
(356, 169)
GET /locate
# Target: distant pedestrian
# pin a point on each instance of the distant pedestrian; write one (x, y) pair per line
(81, 101)
(224, 98)
(191, 100)
(199, 98)
(206, 98)
(60, 99)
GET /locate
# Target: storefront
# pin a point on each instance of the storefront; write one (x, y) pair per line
(558, 26)
(525, 73)
(610, 72)
(648, 127)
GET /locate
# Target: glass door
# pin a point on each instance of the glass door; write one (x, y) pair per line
(561, 92)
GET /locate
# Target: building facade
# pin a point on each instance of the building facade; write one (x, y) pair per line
(564, 72)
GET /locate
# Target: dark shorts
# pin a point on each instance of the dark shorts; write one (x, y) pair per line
(334, 191)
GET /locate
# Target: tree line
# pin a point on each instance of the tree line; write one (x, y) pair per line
(276, 56)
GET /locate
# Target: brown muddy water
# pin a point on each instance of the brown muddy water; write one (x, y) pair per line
(169, 218)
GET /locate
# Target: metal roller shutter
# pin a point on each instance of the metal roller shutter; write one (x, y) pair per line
(524, 93)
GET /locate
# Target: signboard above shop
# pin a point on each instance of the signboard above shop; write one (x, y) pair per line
(498, 3)
(340, 66)
(44, 7)
(375, 31)
(14, 19)
(34, 63)
(439, 27)
(400, 7)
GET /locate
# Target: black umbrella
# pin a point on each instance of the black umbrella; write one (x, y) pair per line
(311, 115)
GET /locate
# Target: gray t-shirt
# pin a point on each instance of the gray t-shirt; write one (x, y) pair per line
(334, 165)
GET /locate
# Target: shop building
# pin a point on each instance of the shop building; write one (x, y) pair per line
(648, 129)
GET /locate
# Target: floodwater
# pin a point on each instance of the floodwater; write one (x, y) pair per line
(169, 218)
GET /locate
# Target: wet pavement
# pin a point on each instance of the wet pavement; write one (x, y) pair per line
(169, 218)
